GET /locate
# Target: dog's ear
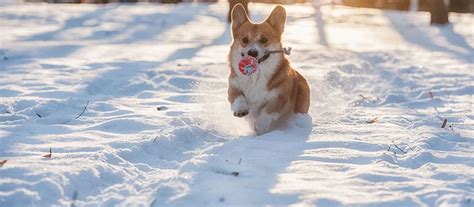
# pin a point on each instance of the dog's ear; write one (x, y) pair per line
(239, 16)
(277, 18)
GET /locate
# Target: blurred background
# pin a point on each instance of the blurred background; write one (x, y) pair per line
(439, 9)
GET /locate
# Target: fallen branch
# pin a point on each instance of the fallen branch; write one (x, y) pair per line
(84, 110)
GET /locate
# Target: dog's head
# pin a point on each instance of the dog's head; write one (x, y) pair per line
(254, 39)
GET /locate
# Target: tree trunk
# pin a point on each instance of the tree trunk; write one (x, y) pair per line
(439, 12)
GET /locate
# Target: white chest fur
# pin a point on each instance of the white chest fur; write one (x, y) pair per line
(254, 87)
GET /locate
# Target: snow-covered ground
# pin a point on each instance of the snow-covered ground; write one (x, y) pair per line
(382, 82)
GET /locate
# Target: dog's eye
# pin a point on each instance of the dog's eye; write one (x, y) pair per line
(245, 40)
(263, 40)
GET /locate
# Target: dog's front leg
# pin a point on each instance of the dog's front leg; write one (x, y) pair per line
(238, 102)
(271, 111)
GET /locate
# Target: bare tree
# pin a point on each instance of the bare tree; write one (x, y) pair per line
(439, 12)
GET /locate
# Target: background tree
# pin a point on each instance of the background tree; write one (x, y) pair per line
(439, 12)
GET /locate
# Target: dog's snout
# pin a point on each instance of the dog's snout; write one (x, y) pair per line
(253, 53)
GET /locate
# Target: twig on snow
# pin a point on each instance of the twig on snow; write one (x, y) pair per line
(404, 152)
(161, 108)
(50, 154)
(451, 127)
(410, 147)
(3, 162)
(226, 173)
(362, 96)
(84, 110)
(388, 150)
(444, 123)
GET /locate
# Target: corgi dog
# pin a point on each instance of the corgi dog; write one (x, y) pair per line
(273, 91)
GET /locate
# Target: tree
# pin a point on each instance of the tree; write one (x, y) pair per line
(439, 12)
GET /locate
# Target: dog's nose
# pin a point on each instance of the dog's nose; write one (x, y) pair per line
(253, 53)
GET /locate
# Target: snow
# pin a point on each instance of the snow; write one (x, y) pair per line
(125, 60)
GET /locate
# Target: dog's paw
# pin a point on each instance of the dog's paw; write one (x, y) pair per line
(261, 128)
(240, 107)
(241, 113)
(263, 124)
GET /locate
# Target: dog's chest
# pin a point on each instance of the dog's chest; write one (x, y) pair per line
(255, 87)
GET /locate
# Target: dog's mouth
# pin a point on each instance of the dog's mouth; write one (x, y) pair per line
(259, 59)
(267, 54)
(243, 55)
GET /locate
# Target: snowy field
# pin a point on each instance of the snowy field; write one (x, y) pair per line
(85, 81)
